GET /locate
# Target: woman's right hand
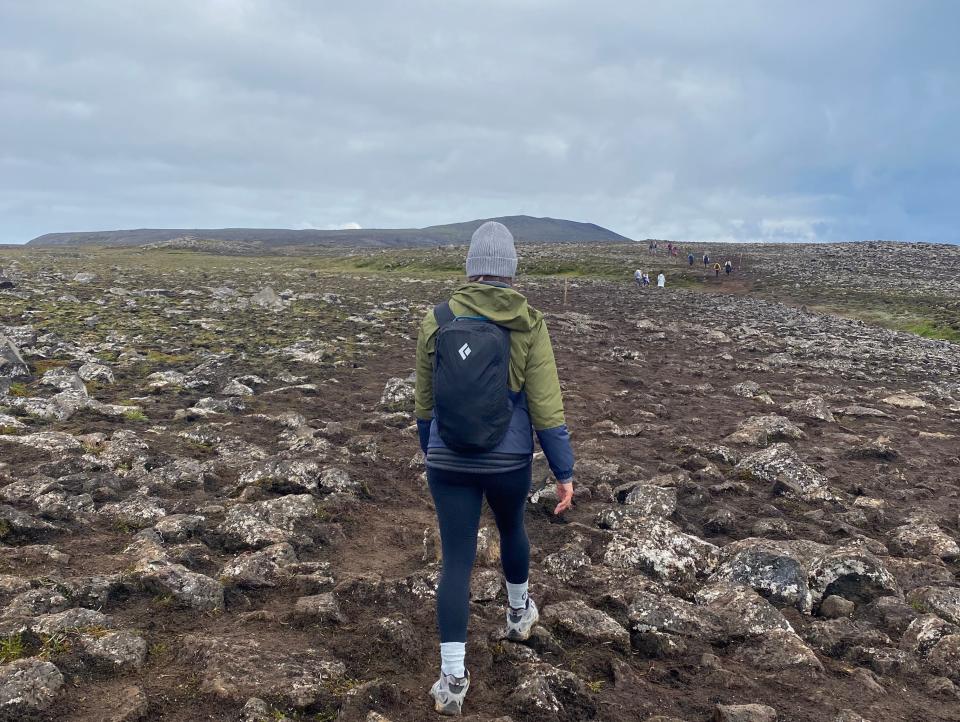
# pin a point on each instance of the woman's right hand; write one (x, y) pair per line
(565, 495)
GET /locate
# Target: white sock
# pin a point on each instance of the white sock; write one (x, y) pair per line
(517, 594)
(452, 655)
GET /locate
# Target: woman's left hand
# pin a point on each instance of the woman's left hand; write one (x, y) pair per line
(565, 495)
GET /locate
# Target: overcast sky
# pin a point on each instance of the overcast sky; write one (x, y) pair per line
(685, 120)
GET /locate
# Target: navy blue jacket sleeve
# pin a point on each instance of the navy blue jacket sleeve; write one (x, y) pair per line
(423, 431)
(555, 443)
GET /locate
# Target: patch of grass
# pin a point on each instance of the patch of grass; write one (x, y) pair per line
(340, 687)
(53, 645)
(596, 685)
(43, 365)
(158, 650)
(19, 389)
(5, 529)
(919, 606)
(934, 330)
(135, 415)
(94, 631)
(11, 648)
(159, 357)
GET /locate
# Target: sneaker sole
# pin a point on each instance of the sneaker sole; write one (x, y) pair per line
(451, 709)
(517, 636)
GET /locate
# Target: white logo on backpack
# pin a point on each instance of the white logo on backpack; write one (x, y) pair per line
(464, 351)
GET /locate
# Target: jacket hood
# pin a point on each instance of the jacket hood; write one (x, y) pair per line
(502, 305)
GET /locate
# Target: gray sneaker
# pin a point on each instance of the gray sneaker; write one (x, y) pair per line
(520, 621)
(448, 693)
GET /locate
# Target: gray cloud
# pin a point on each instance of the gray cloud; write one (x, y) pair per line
(746, 120)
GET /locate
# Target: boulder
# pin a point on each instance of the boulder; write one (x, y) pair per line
(77, 618)
(815, 408)
(546, 693)
(660, 623)
(924, 632)
(906, 401)
(780, 466)
(190, 589)
(762, 430)
(576, 619)
(944, 658)
(780, 650)
(267, 299)
(28, 686)
(99, 373)
(658, 548)
(744, 713)
(263, 568)
(942, 601)
(920, 539)
(122, 650)
(233, 670)
(287, 519)
(320, 609)
(741, 611)
(776, 569)
(12, 365)
(853, 573)
(397, 395)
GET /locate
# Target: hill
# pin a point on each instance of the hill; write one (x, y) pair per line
(524, 228)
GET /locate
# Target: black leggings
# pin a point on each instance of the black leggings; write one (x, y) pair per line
(458, 498)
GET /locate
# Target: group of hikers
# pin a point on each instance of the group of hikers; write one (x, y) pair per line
(643, 280)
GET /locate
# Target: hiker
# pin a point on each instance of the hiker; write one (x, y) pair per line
(716, 269)
(661, 280)
(690, 260)
(652, 248)
(646, 280)
(486, 374)
(638, 277)
(670, 248)
(728, 266)
(706, 260)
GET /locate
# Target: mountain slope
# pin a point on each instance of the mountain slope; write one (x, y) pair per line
(524, 228)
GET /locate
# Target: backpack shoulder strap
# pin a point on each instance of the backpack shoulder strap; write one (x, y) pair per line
(443, 314)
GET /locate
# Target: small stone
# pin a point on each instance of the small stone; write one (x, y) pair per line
(834, 607)
(319, 608)
(122, 650)
(744, 713)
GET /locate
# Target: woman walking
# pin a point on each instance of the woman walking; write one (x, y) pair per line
(486, 379)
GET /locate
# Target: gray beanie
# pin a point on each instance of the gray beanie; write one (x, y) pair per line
(492, 252)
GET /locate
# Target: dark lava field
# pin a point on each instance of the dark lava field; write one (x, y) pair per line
(213, 504)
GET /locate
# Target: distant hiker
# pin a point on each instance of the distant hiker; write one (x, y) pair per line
(706, 260)
(690, 259)
(646, 280)
(716, 269)
(638, 277)
(728, 267)
(661, 280)
(652, 248)
(670, 248)
(486, 374)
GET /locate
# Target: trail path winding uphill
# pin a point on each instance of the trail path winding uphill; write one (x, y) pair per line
(234, 524)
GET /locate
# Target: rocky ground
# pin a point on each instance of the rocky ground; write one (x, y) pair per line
(212, 504)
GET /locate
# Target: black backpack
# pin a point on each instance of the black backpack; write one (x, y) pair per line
(471, 400)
